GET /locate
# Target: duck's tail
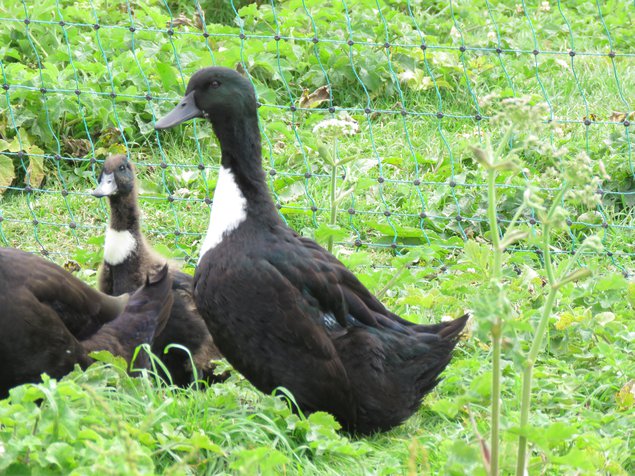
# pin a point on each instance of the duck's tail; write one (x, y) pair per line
(399, 370)
(144, 316)
(434, 356)
(452, 329)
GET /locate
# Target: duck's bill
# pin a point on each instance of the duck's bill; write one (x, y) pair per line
(184, 111)
(107, 186)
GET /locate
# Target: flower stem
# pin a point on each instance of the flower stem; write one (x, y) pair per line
(333, 218)
(554, 286)
(497, 324)
(527, 381)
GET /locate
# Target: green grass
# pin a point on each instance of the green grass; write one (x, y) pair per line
(103, 422)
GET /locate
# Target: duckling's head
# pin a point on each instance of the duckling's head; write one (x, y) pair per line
(216, 93)
(116, 178)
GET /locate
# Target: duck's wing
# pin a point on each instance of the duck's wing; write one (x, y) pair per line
(44, 311)
(272, 330)
(337, 290)
(360, 302)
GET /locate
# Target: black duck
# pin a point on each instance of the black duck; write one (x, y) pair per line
(284, 311)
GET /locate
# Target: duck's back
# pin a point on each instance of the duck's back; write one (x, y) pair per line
(44, 313)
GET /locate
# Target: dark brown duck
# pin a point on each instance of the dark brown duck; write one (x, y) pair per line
(50, 320)
(128, 258)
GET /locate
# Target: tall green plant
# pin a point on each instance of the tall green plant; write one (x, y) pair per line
(330, 130)
(577, 184)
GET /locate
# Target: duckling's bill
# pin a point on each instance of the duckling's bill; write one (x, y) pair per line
(107, 186)
(184, 111)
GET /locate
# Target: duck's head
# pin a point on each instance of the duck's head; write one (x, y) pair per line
(117, 177)
(214, 93)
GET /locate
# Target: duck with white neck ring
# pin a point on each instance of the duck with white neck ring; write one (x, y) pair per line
(128, 258)
(284, 311)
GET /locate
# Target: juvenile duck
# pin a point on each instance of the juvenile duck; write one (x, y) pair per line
(50, 320)
(284, 311)
(128, 258)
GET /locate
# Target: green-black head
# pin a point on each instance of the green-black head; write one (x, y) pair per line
(215, 93)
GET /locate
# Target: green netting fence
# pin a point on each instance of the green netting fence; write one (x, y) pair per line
(83, 79)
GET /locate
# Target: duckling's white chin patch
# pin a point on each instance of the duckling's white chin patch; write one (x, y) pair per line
(118, 246)
(229, 209)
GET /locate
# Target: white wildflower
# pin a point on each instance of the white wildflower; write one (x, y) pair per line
(545, 7)
(594, 242)
(343, 125)
(584, 183)
(407, 76)
(532, 198)
(491, 36)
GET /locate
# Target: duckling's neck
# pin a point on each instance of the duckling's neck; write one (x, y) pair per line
(123, 234)
(124, 213)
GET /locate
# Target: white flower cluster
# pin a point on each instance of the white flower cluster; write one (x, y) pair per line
(585, 183)
(342, 125)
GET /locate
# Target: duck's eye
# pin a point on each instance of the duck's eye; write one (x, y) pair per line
(122, 167)
(214, 84)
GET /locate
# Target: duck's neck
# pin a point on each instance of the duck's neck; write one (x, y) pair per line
(123, 235)
(242, 155)
(241, 189)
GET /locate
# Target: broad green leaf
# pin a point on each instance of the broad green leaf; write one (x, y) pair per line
(610, 282)
(7, 172)
(577, 458)
(201, 440)
(326, 231)
(35, 171)
(14, 145)
(324, 419)
(168, 75)
(482, 385)
(108, 358)
(448, 407)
